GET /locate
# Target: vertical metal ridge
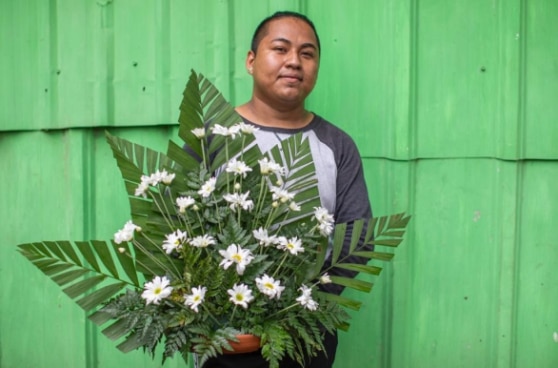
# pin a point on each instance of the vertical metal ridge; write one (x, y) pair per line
(505, 264)
(303, 7)
(221, 56)
(521, 111)
(516, 264)
(164, 57)
(89, 229)
(107, 16)
(413, 79)
(412, 162)
(53, 59)
(521, 120)
(231, 50)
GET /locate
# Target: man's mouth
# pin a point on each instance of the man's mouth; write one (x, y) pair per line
(291, 78)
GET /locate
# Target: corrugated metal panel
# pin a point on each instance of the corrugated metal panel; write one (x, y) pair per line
(62, 185)
(540, 85)
(451, 104)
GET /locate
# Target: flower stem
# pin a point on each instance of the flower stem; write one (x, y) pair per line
(283, 310)
(161, 210)
(281, 264)
(263, 190)
(232, 314)
(155, 259)
(204, 160)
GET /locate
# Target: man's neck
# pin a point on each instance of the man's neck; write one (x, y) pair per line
(265, 115)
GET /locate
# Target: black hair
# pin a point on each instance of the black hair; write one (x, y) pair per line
(262, 27)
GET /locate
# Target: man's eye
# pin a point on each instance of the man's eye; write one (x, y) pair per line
(308, 54)
(280, 49)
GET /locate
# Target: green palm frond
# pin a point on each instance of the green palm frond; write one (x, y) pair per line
(135, 160)
(384, 231)
(80, 267)
(295, 156)
(203, 106)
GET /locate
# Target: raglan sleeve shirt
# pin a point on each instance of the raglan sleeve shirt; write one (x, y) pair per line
(351, 194)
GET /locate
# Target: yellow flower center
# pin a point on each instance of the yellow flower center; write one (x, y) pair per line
(237, 258)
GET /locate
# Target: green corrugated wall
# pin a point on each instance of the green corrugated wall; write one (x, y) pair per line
(453, 104)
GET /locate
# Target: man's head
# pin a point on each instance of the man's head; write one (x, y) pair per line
(262, 28)
(285, 62)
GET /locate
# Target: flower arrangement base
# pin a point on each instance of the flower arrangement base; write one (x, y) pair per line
(246, 344)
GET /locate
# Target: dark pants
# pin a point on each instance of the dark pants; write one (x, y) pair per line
(255, 360)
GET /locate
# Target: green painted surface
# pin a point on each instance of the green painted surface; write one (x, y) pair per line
(452, 105)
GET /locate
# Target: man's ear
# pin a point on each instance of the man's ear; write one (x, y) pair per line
(250, 61)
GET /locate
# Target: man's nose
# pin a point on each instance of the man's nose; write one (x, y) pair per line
(293, 59)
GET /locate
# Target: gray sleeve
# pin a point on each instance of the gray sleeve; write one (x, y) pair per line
(352, 201)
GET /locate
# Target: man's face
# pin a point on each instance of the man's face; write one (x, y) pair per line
(285, 66)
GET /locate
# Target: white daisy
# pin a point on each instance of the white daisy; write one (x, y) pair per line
(325, 279)
(226, 132)
(196, 298)
(238, 168)
(325, 220)
(281, 194)
(202, 241)
(126, 234)
(247, 128)
(262, 236)
(174, 241)
(305, 299)
(198, 132)
(293, 245)
(142, 189)
(293, 206)
(207, 188)
(269, 286)
(235, 254)
(325, 228)
(239, 201)
(160, 177)
(268, 167)
(184, 202)
(167, 178)
(156, 290)
(240, 295)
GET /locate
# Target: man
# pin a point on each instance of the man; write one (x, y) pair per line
(284, 60)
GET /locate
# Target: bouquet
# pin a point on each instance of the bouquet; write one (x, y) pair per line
(223, 240)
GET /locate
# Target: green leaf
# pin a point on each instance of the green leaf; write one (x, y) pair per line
(87, 252)
(67, 248)
(382, 256)
(372, 270)
(338, 241)
(341, 300)
(55, 269)
(97, 297)
(83, 286)
(53, 247)
(131, 343)
(67, 277)
(352, 283)
(105, 256)
(127, 263)
(117, 329)
(60, 261)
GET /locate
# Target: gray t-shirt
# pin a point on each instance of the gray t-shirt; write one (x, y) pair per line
(340, 176)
